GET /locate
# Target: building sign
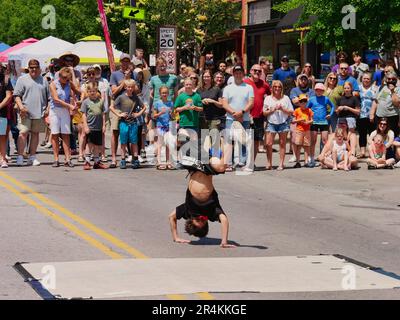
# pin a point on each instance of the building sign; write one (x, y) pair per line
(289, 30)
(167, 46)
(259, 12)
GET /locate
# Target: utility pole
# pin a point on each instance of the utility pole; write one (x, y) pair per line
(132, 35)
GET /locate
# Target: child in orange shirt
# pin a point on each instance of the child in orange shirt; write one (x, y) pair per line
(303, 118)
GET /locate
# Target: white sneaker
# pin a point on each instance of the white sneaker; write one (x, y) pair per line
(48, 145)
(20, 161)
(33, 162)
(8, 158)
(141, 160)
(292, 159)
(397, 165)
(4, 164)
(129, 159)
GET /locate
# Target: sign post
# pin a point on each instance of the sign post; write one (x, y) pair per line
(167, 47)
(110, 53)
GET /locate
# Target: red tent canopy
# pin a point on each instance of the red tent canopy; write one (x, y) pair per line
(24, 43)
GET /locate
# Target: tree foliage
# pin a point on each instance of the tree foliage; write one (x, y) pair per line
(377, 22)
(21, 19)
(198, 21)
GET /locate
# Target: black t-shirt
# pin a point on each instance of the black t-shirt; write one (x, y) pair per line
(352, 102)
(211, 111)
(3, 89)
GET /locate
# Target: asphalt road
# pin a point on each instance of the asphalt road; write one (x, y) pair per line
(289, 213)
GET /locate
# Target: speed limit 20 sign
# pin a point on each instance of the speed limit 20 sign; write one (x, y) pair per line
(167, 46)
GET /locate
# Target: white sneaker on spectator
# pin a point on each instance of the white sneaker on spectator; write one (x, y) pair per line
(48, 145)
(129, 159)
(4, 164)
(20, 161)
(141, 160)
(32, 161)
(397, 165)
(292, 159)
(8, 158)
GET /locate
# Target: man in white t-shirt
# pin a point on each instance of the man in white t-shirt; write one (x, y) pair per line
(238, 99)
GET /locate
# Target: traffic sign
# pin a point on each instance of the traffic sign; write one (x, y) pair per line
(133, 13)
(167, 38)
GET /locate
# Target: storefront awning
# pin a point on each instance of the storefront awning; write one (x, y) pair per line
(288, 22)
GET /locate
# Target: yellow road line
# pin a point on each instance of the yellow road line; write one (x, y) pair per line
(105, 235)
(62, 221)
(205, 296)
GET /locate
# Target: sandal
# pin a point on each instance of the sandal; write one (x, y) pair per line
(113, 165)
(69, 164)
(279, 168)
(161, 167)
(229, 169)
(170, 167)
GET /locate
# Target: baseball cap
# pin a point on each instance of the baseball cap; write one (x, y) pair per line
(303, 96)
(238, 68)
(319, 86)
(285, 58)
(303, 75)
(97, 66)
(124, 56)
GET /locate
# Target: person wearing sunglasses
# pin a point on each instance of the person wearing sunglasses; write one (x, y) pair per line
(261, 89)
(388, 136)
(32, 94)
(308, 70)
(345, 77)
(364, 126)
(302, 88)
(341, 57)
(333, 92)
(277, 110)
(284, 71)
(387, 103)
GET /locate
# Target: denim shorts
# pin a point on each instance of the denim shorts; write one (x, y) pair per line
(351, 122)
(128, 132)
(278, 128)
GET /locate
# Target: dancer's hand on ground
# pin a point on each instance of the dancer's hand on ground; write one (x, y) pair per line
(179, 240)
(227, 245)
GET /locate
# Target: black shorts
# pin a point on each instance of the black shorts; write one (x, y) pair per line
(95, 137)
(319, 127)
(258, 127)
(192, 208)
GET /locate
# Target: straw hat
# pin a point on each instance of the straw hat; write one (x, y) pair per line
(146, 74)
(70, 54)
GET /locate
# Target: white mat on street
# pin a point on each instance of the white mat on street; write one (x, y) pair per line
(157, 277)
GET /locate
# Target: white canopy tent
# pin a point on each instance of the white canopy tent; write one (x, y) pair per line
(92, 50)
(42, 51)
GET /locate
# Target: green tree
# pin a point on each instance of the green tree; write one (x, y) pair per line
(21, 19)
(377, 22)
(198, 22)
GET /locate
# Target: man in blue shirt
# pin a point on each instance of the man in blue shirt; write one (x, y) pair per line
(345, 77)
(302, 88)
(284, 71)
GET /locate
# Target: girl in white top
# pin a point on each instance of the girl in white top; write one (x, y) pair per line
(340, 152)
